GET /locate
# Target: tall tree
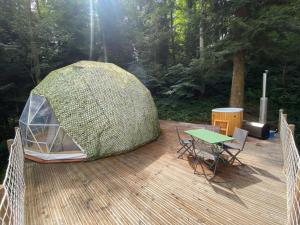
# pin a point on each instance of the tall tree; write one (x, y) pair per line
(201, 29)
(238, 76)
(238, 80)
(34, 53)
(233, 30)
(172, 30)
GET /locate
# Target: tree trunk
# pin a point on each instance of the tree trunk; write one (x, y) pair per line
(38, 7)
(201, 43)
(162, 49)
(201, 38)
(36, 61)
(238, 80)
(91, 30)
(101, 8)
(283, 73)
(172, 36)
(104, 46)
(33, 46)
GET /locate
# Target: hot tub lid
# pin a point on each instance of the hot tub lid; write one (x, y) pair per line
(228, 109)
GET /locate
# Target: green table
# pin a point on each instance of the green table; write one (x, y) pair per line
(208, 136)
(212, 138)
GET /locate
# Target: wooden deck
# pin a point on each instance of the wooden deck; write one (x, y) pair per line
(151, 186)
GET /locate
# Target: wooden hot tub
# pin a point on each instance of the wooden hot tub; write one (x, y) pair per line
(234, 116)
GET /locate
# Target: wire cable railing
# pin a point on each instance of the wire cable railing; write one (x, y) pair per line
(13, 188)
(291, 168)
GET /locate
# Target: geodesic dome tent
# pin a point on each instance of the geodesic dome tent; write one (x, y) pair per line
(87, 110)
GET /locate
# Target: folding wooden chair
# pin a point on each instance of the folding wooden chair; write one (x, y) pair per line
(237, 145)
(223, 124)
(209, 158)
(215, 128)
(186, 144)
(210, 127)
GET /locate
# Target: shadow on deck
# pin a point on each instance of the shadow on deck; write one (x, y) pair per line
(151, 186)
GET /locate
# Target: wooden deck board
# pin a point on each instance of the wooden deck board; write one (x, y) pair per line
(151, 186)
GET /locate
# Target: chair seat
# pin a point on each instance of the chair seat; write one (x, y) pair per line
(206, 155)
(232, 145)
(186, 141)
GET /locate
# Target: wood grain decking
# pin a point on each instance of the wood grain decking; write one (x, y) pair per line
(151, 186)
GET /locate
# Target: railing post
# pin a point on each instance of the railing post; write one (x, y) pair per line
(284, 141)
(284, 115)
(279, 121)
(9, 143)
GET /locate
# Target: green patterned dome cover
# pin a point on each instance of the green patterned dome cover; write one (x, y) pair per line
(104, 108)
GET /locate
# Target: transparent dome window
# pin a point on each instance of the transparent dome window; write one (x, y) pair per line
(40, 130)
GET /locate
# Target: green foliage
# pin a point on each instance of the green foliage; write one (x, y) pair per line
(197, 111)
(159, 42)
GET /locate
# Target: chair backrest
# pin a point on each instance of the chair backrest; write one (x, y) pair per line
(223, 124)
(202, 126)
(209, 127)
(178, 135)
(240, 135)
(216, 129)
